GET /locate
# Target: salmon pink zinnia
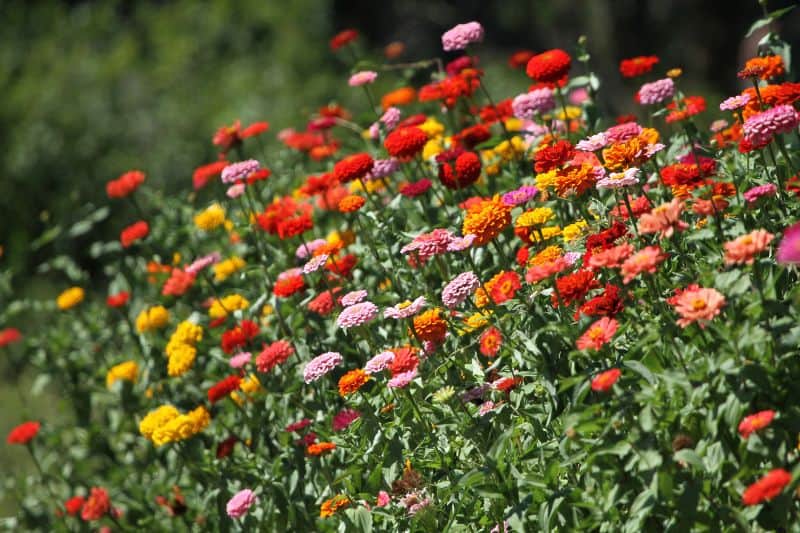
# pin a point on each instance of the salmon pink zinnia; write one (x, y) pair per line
(698, 304)
(598, 334)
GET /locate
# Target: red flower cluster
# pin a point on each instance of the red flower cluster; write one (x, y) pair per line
(472, 136)
(323, 303)
(685, 108)
(754, 422)
(97, 505)
(294, 226)
(125, 184)
(204, 173)
(239, 336)
(607, 304)
(23, 433)
(178, 282)
(405, 360)
(342, 266)
(134, 232)
(288, 286)
(405, 143)
(605, 380)
(415, 188)
(520, 58)
(223, 387)
(280, 211)
(491, 341)
(452, 88)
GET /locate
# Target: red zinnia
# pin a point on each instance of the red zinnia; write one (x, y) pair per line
(9, 336)
(291, 227)
(134, 232)
(636, 66)
(223, 387)
(342, 266)
(225, 448)
(405, 360)
(415, 188)
(273, 355)
(767, 487)
(520, 58)
(553, 156)
(256, 128)
(353, 167)
(118, 300)
(549, 67)
(605, 380)
(125, 184)
(607, 304)
(472, 136)
(343, 38)
(323, 303)
(465, 171)
(288, 286)
(23, 433)
(405, 143)
(178, 283)
(96, 505)
(505, 287)
(203, 174)
(73, 505)
(573, 287)
(239, 336)
(754, 422)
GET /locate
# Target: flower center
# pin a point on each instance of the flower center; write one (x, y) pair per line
(698, 304)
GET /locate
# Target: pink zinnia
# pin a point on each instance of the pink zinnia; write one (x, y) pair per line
(315, 263)
(486, 408)
(235, 191)
(664, 219)
(240, 359)
(239, 171)
(459, 289)
(344, 418)
(789, 248)
(362, 78)
(759, 129)
(595, 142)
(383, 167)
(697, 305)
(461, 36)
(616, 180)
(353, 297)
(537, 273)
(402, 379)
(379, 362)
(734, 102)
(759, 191)
(527, 105)
(427, 245)
(357, 315)
(743, 249)
(306, 249)
(645, 260)
(240, 502)
(405, 309)
(598, 334)
(203, 262)
(622, 132)
(656, 92)
(458, 244)
(321, 365)
(383, 499)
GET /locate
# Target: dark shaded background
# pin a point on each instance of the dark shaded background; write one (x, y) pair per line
(92, 89)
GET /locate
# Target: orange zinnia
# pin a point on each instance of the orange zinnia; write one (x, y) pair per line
(486, 219)
(351, 382)
(430, 326)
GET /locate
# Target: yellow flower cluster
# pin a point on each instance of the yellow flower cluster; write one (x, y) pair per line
(547, 255)
(211, 218)
(535, 217)
(152, 318)
(432, 128)
(432, 148)
(494, 158)
(228, 304)
(250, 386)
(181, 349)
(345, 238)
(69, 298)
(127, 371)
(167, 424)
(372, 186)
(224, 269)
(573, 112)
(548, 232)
(546, 180)
(475, 321)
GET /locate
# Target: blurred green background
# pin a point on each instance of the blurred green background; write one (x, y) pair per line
(93, 89)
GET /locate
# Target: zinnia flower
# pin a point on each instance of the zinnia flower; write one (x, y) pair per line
(125, 185)
(743, 249)
(754, 422)
(402, 380)
(759, 129)
(789, 249)
(430, 326)
(239, 171)
(637, 66)
(598, 334)
(459, 289)
(321, 365)
(363, 77)
(70, 298)
(353, 297)
(656, 92)
(527, 105)
(96, 505)
(664, 219)
(645, 260)
(357, 315)
(697, 305)
(766, 488)
(351, 382)
(9, 336)
(223, 387)
(461, 36)
(551, 66)
(605, 380)
(23, 433)
(344, 418)
(486, 219)
(239, 504)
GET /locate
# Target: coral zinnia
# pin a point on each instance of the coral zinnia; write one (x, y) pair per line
(645, 260)
(549, 67)
(351, 382)
(134, 232)
(766, 488)
(605, 380)
(754, 422)
(491, 341)
(697, 304)
(125, 184)
(743, 249)
(351, 203)
(598, 334)
(486, 219)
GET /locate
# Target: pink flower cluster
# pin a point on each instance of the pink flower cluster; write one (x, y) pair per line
(239, 171)
(321, 365)
(761, 128)
(461, 36)
(459, 289)
(656, 92)
(527, 105)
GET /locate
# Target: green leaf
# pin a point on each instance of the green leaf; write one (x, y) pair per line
(690, 457)
(361, 518)
(760, 23)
